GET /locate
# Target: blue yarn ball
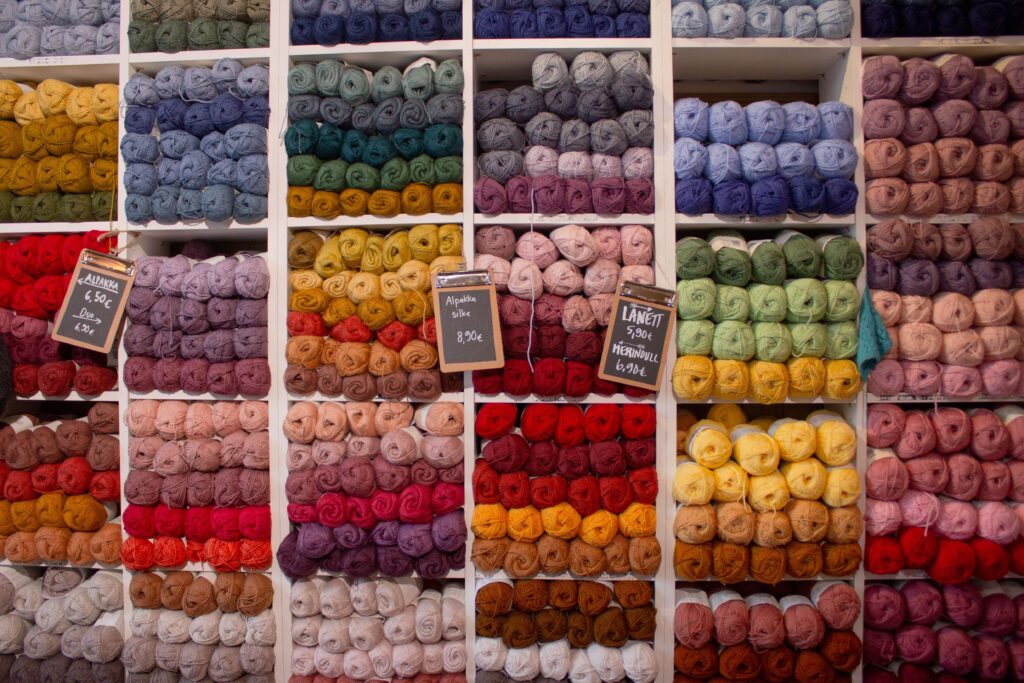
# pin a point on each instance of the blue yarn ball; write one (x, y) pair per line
(198, 121)
(835, 19)
(305, 9)
(834, 158)
(604, 26)
(490, 24)
(451, 25)
(168, 171)
(138, 209)
(836, 121)
(223, 172)
(177, 143)
(732, 198)
(225, 111)
(252, 175)
(225, 73)
(394, 27)
(689, 20)
(425, 26)
(881, 21)
(726, 21)
(693, 197)
(139, 148)
(840, 196)
(803, 123)
(256, 110)
(689, 159)
(141, 90)
(690, 116)
(140, 179)
(407, 141)
(766, 121)
(164, 201)
(949, 21)
(190, 205)
(301, 31)
(579, 23)
(727, 123)
(769, 197)
(794, 159)
(218, 202)
(139, 119)
(723, 163)
(193, 169)
(250, 208)
(550, 22)
(245, 138)
(170, 114)
(632, 25)
(361, 28)
(807, 195)
(213, 146)
(800, 21)
(764, 21)
(523, 24)
(168, 81)
(353, 145)
(328, 30)
(758, 161)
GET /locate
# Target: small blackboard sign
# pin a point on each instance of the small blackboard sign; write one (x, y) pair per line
(466, 310)
(94, 304)
(636, 343)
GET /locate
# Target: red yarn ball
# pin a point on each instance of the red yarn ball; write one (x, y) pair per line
(992, 561)
(882, 555)
(919, 547)
(954, 562)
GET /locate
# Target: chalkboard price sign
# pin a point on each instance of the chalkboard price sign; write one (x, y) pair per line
(636, 343)
(466, 311)
(94, 304)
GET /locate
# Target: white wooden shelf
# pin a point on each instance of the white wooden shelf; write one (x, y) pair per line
(616, 399)
(75, 69)
(20, 229)
(74, 396)
(373, 222)
(942, 218)
(504, 576)
(976, 47)
(908, 398)
(755, 58)
(908, 574)
(317, 397)
(376, 55)
(187, 396)
(526, 220)
(185, 231)
(793, 221)
(154, 61)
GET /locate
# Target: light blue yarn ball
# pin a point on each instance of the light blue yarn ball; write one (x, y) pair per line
(165, 204)
(800, 21)
(138, 208)
(253, 176)
(176, 144)
(764, 21)
(723, 163)
(758, 161)
(726, 21)
(835, 19)
(140, 179)
(708, 4)
(689, 20)
(836, 120)
(51, 40)
(750, 4)
(245, 138)
(834, 158)
(803, 124)
(194, 167)
(766, 121)
(212, 145)
(794, 159)
(690, 117)
(225, 73)
(190, 205)
(80, 40)
(108, 38)
(139, 148)
(141, 89)
(168, 81)
(727, 123)
(689, 159)
(223, 172)
(168, 171)
(786, 4)
(250, 208)
(218, 202)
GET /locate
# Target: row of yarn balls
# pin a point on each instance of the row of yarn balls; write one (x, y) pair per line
(578, 141)
(932, 286)
(30, 28)
(382, 152)
(201, 626)
(209, 158)
(920, 101)
(177, 25)
(956, 455)
(555, 300)
(61, 624)
(363, 629)
(550, 445)
(59, 479)
(198, 484)
(335, 22)
(889, 19)
(361, 307)
(58, 151)
(763, 159)
(580, 19)
(829, 19)
(173, 301)
(374, 486)
(698, 378)
(961, 628)
(794, 637)
(565, 629)
(725, 317)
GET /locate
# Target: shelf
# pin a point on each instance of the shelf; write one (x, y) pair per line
(617, 399)
(819, 400)
(710, 220)
(710, 59)
(447, 397)
(787, 577)
(525, 220)
(21, 229)
(189, 231)
(73, 396)
(511, 60)
(186, 396)
(197, 567)
(501, 575)
(369, 222)
(77, 70)
(45, 565)
(976, 47)
(453, 574)
(921, 574)
(154, 61)
(907, 398)
(942, 218)
(376, 55)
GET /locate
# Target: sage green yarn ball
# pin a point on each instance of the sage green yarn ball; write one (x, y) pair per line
(732, 267)
(772, 342)
(733, 340)
(694, 337)
(806, 300)
(696, 299)
(694, 258)
(809, 339)
(803, 255)
(843, 301)
(841, 340)
(767, 263)
(843, 257)
(767, 303)
(731, 303)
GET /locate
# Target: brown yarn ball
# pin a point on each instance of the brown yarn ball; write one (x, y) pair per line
(692, 562)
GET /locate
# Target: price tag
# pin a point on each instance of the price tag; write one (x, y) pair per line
(466, 310)
(636, 343)
(94, 304)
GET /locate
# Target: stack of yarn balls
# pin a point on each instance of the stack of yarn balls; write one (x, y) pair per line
(938, 135)
(29, 29)
(374, 487)
(797, 637)
(581, 19)
(336, 22)
(178, 25)
(555, 295)
(579, 140)
(945, 491)
(201, 626)
(58, 151)
(768, 319)
(831, 19)
(768, 498)
(199, 485)
(765, 159)
(918, 630)
(60, 489)
(63, 625)
(561, 489)
(196, 144)
(565, 630)
(384, 629)
(890, 18)
(361, 312)
(34, 274)
(198, 326)
(382, 144)
(947, 296)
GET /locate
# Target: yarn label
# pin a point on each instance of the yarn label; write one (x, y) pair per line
(468, 333)
(636, 343)
(94, 304)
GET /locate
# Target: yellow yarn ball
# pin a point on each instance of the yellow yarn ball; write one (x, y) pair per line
(9, 94)
(709, 444)
(729, 414)
(525, 524)
(805, 479)
(768, 493)
(806, 377)
(26, 109)
(842, 380)
(490, 521)
(842, 487)
(79, 107)
(638, 520)
(730, 483)
(693, 378)
(599, 528)
(769, 382)
(754, 450)
(796, 438)
(561, 521)
(53, 96)
(414, 276)
(363, 287)
(835, 440)
(732, 380)
(447, 264)
(693, 484)
(105, 102)
(763, 422)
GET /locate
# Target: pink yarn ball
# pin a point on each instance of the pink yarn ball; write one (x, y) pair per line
(928, 473)
(957, 520)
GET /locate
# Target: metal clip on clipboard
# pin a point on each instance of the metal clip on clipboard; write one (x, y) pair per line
(111, 263)
(464, 278)
(652, 295)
